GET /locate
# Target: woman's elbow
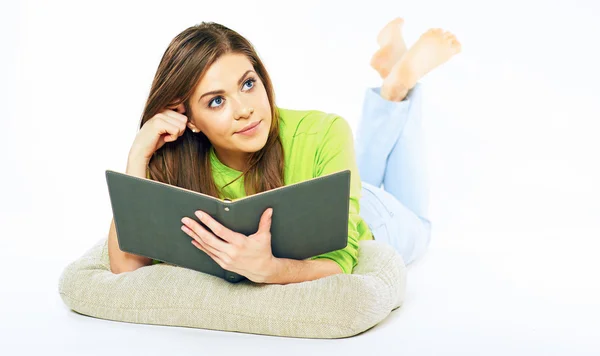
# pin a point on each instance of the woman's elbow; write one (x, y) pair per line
(117, 268)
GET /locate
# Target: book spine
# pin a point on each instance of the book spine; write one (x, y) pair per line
(227, 213)
(226, 216)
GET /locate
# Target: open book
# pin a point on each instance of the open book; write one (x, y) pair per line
(309, 218)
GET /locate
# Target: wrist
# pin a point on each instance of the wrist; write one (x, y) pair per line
(136, 158)
(273, 270)
(136, 166)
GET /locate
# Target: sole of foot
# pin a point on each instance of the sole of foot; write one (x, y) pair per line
(391, 47)
(432, 49)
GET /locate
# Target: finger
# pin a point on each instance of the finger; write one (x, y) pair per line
(166, 127)
(265, 221)
(218, 229)
(179, 108)
(210, 254)
(200, 234)
(175, 115)
(180, 124)
(198, 240)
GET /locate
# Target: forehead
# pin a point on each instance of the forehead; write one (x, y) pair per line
(224, 72)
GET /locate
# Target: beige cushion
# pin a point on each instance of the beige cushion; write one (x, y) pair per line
(332, 307)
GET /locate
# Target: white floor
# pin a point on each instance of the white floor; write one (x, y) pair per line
(460, 301)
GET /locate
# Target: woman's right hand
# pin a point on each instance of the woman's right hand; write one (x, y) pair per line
(166, 126)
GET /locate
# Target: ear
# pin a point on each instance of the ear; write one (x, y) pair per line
(192, 127)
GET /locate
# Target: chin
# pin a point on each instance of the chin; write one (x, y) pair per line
(256, 144)
(261, 142)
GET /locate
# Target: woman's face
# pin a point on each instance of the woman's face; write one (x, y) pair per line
(229, 97)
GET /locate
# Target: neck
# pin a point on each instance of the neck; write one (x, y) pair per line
(237, 161)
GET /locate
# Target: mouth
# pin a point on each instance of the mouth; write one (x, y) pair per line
(249, 127)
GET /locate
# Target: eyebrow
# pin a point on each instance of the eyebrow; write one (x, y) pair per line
(221, 91)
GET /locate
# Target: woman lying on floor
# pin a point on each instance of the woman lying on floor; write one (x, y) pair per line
(211, 125)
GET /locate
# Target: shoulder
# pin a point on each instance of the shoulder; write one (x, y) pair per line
(313, 122)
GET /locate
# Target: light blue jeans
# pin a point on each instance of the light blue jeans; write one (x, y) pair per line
(390, 151)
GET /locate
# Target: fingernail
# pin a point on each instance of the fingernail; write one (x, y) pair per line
(199, 214)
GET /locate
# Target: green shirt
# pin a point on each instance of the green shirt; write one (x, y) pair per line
(314, 144)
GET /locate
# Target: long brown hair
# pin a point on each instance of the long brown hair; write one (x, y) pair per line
(185, 162)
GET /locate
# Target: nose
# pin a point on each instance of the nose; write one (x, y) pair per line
(244, 113)
(244, 110)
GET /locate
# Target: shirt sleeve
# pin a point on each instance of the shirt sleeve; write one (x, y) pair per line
(336, 153)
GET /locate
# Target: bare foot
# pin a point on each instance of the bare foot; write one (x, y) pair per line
(432, 49)
(391, 47)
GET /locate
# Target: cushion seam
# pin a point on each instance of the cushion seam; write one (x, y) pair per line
(213, 311)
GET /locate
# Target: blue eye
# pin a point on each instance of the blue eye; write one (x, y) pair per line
(250, 81)
(220, 98)
(214, 100)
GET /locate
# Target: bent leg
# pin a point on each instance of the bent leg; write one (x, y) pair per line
(379, 127)
(390, 150)
(406, 170)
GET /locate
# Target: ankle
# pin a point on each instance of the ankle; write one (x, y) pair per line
(394, 92)
(396, 85)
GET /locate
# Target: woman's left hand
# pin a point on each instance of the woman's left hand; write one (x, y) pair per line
(250, 256)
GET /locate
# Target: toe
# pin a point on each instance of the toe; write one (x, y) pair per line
(398, 21)
(387, 32)
(456, 45)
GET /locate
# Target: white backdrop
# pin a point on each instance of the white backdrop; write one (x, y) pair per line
(511, 128)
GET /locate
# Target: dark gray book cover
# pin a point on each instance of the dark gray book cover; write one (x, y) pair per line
(309, 218)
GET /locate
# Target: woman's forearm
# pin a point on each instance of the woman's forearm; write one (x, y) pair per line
(294, 271)
(121, 261)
